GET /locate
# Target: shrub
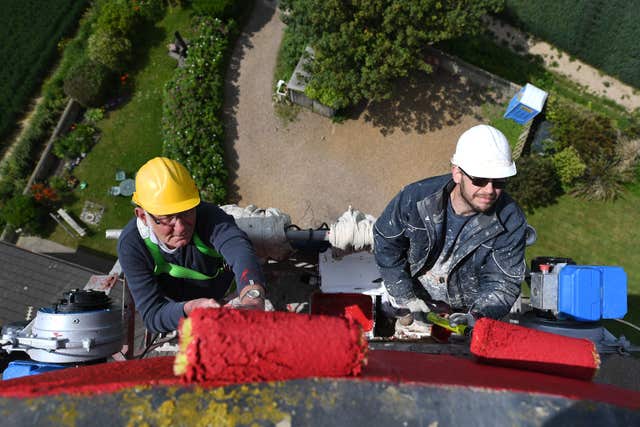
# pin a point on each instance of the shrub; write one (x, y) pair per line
(150, 10)
(595, 141)
(602, 181)
(536, 185)
(76, 142)
(569, 166)
(89, 83)
(117, 17)
(23, 212)
(59, 184)
(109, 49)
(94, 115)
(595, 138)
(628, 151)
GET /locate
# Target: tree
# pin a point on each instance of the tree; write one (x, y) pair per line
(109, 49)
(362, 47)
(89, 83)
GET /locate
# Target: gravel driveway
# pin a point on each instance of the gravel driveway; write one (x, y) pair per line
(314, 169)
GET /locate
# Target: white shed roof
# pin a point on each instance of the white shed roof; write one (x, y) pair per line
(533, 97)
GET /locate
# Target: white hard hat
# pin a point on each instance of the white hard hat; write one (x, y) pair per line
(483, 151)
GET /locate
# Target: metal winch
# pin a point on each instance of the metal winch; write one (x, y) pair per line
(571, 300)
(81, 327)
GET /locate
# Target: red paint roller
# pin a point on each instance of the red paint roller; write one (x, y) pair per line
(239, 346)
(514, 346)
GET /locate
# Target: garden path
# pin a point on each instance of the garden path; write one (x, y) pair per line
(556, 60)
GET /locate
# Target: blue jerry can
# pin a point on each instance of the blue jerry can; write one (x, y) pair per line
(592, 292)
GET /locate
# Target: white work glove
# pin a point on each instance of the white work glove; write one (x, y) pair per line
(456, 319)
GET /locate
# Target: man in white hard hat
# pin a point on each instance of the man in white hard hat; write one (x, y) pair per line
(454, 243)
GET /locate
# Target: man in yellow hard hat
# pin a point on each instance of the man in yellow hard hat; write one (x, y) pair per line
(455, 242)
(179, 253)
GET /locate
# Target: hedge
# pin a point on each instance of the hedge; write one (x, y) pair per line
(193, 132)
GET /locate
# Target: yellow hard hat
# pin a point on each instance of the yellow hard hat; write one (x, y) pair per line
(165, 187)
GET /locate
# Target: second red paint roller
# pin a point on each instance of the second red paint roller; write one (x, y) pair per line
(514, 346)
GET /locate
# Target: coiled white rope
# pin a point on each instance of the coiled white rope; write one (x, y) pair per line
(353, 231)
(266, 228)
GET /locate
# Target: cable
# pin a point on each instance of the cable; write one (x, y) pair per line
(155, 344)
(637, 328)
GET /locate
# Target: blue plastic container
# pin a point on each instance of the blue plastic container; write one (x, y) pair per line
(24, 368)
(590, 292)
(526, 104)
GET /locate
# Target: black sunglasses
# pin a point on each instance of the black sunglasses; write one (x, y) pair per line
(499, 183)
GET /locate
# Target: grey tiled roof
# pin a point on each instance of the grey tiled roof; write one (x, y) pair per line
(31, 279)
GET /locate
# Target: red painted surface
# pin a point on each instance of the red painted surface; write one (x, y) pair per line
(515, 346)
(446, 370)
(239, 346)
(357, 306)
(402, 367)
(101, 378)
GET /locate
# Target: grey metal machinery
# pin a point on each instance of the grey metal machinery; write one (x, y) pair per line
(81, 327)
(571, 300)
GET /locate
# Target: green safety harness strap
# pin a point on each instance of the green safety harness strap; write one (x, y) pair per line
(178, 271)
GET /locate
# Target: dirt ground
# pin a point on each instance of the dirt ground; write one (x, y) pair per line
(314, 169)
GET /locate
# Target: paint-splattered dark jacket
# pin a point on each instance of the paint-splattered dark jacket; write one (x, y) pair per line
(487, 261)
(160, 299)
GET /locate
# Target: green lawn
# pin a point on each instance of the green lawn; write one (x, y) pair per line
(130, 136)
(597, 233)
(494, 114)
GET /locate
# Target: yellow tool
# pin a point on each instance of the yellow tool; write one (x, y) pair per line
(444, 323)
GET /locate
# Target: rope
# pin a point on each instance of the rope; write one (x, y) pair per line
(265, 228)
(354, 230)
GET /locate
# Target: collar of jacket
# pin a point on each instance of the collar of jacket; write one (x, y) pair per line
(433, 209)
